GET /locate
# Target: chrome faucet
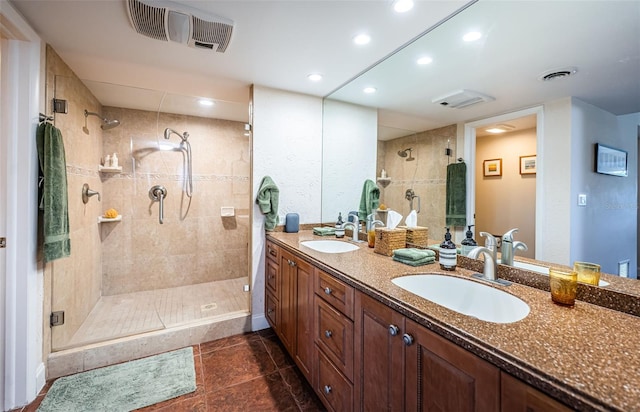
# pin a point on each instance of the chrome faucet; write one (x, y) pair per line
(509, 247)
(371, 223)
(490, 255)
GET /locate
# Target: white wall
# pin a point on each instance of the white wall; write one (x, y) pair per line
(554, 162)
(349, 156)
(287, 145)
(604, 231)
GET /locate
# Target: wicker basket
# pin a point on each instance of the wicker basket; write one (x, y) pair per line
(418, 235)
(388, 240)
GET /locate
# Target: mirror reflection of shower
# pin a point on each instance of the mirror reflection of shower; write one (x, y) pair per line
(187, 146)
(408, 153)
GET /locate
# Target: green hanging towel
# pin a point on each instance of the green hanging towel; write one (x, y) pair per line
(54, 203)
(369, 200)
(267, 200)
(456, 203)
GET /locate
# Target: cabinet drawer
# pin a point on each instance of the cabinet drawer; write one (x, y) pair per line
(336, 292)
(334, 336)
(333, 388)
(273, 251)
(271, 310)
(273, 276)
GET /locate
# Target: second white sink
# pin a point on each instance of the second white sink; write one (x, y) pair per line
(330, 246)
(466, 296)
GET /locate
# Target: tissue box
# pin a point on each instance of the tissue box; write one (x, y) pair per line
(388, 240)
(418, 235)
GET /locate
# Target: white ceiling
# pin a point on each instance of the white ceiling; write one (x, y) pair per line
(274, 44)
(277, 43)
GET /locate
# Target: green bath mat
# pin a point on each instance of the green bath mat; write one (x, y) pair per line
(125, 386)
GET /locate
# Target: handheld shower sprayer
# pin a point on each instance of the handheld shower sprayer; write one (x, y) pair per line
(187, 146)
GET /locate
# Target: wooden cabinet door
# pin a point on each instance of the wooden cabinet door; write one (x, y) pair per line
(517, 396)
(287, 300)
(379, 374)
(441, 376)
(303, 353)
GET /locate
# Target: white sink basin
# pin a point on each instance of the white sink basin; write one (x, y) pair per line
(544, 270)
(330, 246)
(467, 297)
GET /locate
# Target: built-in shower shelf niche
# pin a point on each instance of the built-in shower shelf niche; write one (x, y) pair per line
(108, 169)
(384, 181)
(102, 219)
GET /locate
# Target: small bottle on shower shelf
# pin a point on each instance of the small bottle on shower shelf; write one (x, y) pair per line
(114, 160)
(107, 161)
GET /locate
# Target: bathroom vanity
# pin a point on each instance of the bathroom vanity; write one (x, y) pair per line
(364, 343)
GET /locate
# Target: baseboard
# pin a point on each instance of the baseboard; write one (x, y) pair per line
(41, 379)
(259, 322)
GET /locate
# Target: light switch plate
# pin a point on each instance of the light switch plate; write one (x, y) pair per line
(582, 199)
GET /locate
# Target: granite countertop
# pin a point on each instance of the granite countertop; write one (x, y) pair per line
(587, 356)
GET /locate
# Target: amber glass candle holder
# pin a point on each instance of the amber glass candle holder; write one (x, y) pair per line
(564, 285)
(588, 273)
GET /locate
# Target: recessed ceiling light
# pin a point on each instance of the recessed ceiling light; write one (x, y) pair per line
(402, 6)
(314, 77)
(205, 102)
(369, 90)
(425, 60)
(501, 128)
(361, 39)
(472, 36)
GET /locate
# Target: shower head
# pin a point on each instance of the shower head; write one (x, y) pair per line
(406, 152)
(167, 134)
(106, 123)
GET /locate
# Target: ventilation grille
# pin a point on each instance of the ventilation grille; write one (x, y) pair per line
(209, 33)
(461, 99)
(147, 20)
(177, 22)
(558, 74)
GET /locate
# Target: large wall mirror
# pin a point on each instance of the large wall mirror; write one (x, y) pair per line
(558, 76)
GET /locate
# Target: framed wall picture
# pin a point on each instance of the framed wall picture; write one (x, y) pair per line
(611, 161)
(528, 165)
(492, 167)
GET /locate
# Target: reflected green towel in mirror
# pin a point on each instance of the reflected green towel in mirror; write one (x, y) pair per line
(369, 200)
(456, 198)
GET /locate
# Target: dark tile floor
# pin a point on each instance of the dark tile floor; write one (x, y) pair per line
(250, 372)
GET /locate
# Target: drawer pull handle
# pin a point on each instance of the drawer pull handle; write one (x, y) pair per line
(291, 262)
(272, 252)
(408, 339)
(328, 333)
(393, 330)
(327, 389)
(328, 290)
(270, 311)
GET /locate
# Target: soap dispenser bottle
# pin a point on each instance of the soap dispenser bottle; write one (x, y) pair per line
(340, 226)
(468, 243)
(448, 253)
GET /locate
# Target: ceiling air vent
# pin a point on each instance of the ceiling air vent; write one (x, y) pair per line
(165, 20)
(558, 73)
(462, 98)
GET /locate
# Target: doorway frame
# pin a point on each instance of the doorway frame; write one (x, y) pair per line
(470, 158)
(21, 280)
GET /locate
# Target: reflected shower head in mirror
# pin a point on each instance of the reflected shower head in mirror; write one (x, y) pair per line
(106, 123)
(167, 134)
(407, 152)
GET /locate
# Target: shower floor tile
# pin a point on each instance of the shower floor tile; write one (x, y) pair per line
(138, 312)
